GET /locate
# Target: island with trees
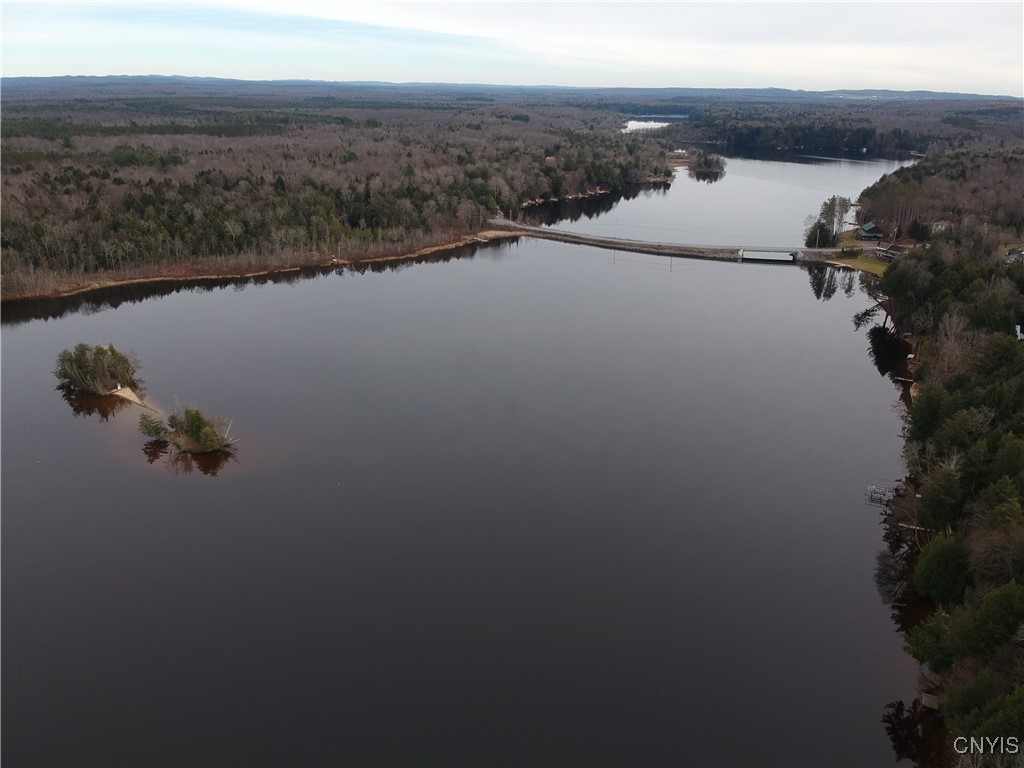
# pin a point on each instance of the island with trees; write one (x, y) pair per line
(189, 431)
(106, 372)
(699, 164)
(96, 370)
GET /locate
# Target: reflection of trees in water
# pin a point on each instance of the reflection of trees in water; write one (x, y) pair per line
(917, 734)
(893, 579)
(827, 280)
(182, 463)
(87, 404)
(863, 317)
(869, 285)
(555, 211)
(824, 282)
(708, 176)
(888, 351)
(847, 282)
(574, 210)
(101, 299)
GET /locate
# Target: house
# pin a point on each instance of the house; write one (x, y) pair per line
(869, 232)
(888, 252)
(1015, 255)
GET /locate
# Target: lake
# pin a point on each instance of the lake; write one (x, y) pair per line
(756, 202)
(540, 504)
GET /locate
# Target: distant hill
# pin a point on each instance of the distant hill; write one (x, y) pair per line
(18, 88)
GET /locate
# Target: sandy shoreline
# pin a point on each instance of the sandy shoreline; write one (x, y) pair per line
(129, 394)
(229, 274)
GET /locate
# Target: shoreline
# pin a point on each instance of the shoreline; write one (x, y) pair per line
(26, 306)
(180, 275)
(227, 273)
(855, 263)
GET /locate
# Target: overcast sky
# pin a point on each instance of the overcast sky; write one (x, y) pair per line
(970, 47)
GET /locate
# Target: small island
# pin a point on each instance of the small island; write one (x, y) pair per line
(700, 165)
(97, 370)
(189, 431)
(706, 166)
(104, 371)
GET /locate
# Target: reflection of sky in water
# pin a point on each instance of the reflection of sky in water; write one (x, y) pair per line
(757, 202)
(559, 481)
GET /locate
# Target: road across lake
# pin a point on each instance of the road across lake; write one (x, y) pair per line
(718, 252)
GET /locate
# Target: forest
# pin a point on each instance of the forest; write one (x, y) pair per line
(114, 186)
(866, 125)
(112, 179)
(975, 195)
(955, 530)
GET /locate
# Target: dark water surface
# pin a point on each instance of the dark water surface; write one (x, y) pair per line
(540, 506)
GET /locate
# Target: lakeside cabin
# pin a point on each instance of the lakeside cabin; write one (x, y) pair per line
(869, 232)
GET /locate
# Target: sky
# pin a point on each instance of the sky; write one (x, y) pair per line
(966, 47)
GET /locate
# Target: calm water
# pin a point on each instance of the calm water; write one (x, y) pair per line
(539, 506)
(756, 202)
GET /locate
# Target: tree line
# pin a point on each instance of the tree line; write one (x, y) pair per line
(850, 124)
(955, 533)
(974, 195)
(116, 188)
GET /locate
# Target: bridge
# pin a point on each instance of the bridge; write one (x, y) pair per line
(716, 252)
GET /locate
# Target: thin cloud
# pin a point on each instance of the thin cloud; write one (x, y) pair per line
(970, 47)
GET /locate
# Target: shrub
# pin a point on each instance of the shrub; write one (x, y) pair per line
(188, 430)
(152, 427)
(195, 423)
(209, 440)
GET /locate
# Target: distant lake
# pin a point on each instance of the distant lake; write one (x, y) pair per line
(642, 125)
(538, 505)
